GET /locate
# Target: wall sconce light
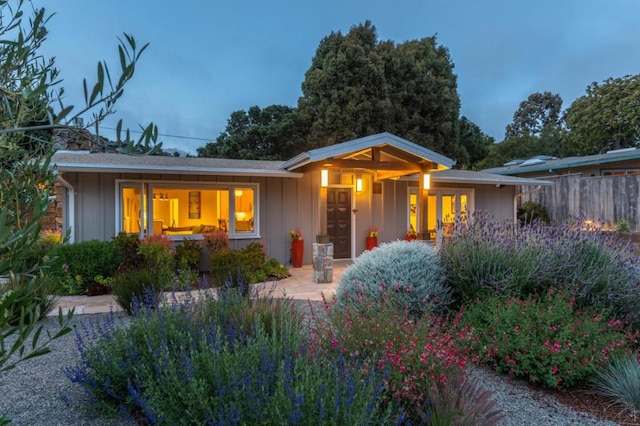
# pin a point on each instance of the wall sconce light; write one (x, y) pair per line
(426, 181)
(238, 192)
(359, 185)
(324, 178)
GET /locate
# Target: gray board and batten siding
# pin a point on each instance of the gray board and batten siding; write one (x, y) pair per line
(282, 201)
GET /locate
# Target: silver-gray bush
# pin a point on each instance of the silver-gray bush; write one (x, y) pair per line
(408, 275)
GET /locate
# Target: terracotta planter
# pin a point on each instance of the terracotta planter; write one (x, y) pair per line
(372, 242)
(409, 237)
(297, 252)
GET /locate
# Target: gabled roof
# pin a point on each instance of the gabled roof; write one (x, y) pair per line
(390, 144)
(83, 161)
(568, 162)
(468, 176)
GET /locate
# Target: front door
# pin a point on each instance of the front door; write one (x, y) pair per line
(339, 221)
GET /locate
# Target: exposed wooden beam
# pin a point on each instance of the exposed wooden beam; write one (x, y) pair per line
(391, 174)
(375, 165)
(375, 153)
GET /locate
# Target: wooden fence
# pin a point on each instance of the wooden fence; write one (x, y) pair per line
(603, 199)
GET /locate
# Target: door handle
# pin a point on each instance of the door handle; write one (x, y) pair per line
(354, 211)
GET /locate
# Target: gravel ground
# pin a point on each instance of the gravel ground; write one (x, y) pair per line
(37, 393)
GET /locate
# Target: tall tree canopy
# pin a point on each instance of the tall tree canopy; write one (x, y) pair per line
(357, 86)
(473, 144)
(552, 141)
(607, 117)
(537, 129)
(271, 133)
(539, 111)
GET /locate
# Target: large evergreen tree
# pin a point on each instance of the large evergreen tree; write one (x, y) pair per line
(357, 86)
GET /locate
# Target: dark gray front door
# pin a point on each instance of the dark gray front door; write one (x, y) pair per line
(339, 221)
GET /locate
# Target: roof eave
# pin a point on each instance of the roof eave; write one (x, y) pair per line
(490, 181)
(110, 168)
(542, 167)
(366, 142)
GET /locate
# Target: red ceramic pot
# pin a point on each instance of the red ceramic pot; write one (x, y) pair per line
(372, 242)
(297, 252)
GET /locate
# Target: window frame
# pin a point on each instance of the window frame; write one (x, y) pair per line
(150, 184)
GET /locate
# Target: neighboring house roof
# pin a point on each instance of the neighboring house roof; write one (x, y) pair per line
(83, 161)
(391, 145)
(568, 162)
(467, 176)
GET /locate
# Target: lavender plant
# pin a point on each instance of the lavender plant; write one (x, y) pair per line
(407, 273)
(198, 362)
(489, 257)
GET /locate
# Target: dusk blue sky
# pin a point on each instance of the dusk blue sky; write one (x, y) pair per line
(207, 59)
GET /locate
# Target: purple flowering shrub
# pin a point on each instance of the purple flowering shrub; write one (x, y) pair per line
(220, 361)
(488, 257)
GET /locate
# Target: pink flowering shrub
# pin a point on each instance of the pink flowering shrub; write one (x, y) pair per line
(157, 249)
(415, 353)
(216, 240)
(544, 339)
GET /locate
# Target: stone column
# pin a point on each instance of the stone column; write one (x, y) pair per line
(322, 263)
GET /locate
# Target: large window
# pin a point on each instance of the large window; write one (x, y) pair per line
(149, 208)
(442, 208)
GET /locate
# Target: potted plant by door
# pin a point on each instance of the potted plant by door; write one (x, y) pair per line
(411, 234)
(297, 247)
(372, 237)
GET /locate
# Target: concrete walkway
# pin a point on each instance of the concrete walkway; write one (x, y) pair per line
(299, 286)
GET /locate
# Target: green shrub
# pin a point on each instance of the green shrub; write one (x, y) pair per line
(486, 257)
(135, 288)
(128, 246)
(40, 251)
(227, 269)
(530, 212)
(544, 340)
(252, 258)
(158, 256)
(620, 381)
(188, 254)
(185, 279)
(191, 364)
(408, 273)
(623, 226)
(239, 268)
(253, 262)
(274, 269)
(82, 262)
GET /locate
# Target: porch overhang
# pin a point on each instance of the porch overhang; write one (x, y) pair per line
(384, 155)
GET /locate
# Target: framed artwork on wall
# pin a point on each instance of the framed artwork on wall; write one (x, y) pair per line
(194, 205)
